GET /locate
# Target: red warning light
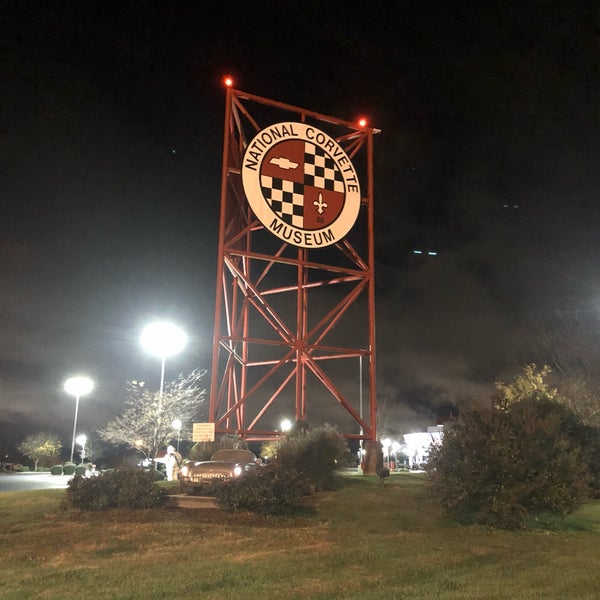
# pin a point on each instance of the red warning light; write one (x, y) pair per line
(362, 122)
(228, 80)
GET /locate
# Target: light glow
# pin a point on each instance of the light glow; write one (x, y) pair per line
(362, 122)
(228, 80)
(78, 386)
(163, 339)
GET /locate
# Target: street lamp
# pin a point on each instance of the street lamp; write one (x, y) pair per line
(286, 425)
(395, 449)
(77, 386)
(386, 444)
(81, 439)
(176, 424)
(163, 339)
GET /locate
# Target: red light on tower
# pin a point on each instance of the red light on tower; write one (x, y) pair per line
(362, 122)
(228, 81)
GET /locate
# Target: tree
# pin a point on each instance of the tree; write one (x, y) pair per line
(531, 384)
(41, 448)
(568, 340)
(580, 397)
(147, 423)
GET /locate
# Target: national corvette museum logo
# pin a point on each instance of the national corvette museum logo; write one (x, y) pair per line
(301, 184)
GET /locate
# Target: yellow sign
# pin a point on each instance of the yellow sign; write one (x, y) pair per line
(203, 432)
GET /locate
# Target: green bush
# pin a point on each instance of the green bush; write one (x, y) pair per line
(69, 468)
(80, 470)
(20, 468)
(591, 452)
(268, 490)
(120, 488)
(314, 453)
(496, 467)
(56, 470)
(158, 475)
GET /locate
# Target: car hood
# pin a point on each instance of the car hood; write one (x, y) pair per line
(213, 466)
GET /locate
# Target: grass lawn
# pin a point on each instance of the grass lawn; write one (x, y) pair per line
(364, 541)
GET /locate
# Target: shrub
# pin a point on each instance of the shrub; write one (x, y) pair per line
(20, 468)
(56, 470)
(495, 467)
(120, 488)
(69, 468)
(314, 453)
(80, 470)
(589, 438)
(268, 490)
(158, 475)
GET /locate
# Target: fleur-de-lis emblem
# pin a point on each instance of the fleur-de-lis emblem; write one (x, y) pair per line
(321, 206)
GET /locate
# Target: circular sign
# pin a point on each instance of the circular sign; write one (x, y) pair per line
(301, 184)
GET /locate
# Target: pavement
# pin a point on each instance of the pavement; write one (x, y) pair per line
(18, 482)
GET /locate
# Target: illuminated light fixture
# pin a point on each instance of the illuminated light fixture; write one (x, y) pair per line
(228, 80)
(286, 425)
(82, 440)
(432, 253)
(163, 339)
(362, 122)
(77, 386)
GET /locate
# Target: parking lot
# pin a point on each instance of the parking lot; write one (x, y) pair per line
(17, 482)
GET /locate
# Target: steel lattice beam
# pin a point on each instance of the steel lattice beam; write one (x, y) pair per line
(290, 321)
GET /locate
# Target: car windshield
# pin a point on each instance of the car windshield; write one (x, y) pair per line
(234, 456)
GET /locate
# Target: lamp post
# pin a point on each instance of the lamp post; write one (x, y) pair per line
(82, 440)
(177, 425)
(286, 425)
(77, 386)
(386, 444)
(395, 450)
(162, 339)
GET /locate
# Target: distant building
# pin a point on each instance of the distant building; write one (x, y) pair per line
(417, 445)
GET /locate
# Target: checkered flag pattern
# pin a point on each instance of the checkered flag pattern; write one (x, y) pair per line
(286, 198)
(320, 170)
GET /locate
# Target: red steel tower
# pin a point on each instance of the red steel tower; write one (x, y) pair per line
(294, 332)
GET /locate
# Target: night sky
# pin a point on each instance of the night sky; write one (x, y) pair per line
(111, 122)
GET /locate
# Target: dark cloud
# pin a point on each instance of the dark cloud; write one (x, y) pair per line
(110, 141)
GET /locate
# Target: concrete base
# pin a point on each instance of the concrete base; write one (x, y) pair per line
(373, 461)
(183, 501)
